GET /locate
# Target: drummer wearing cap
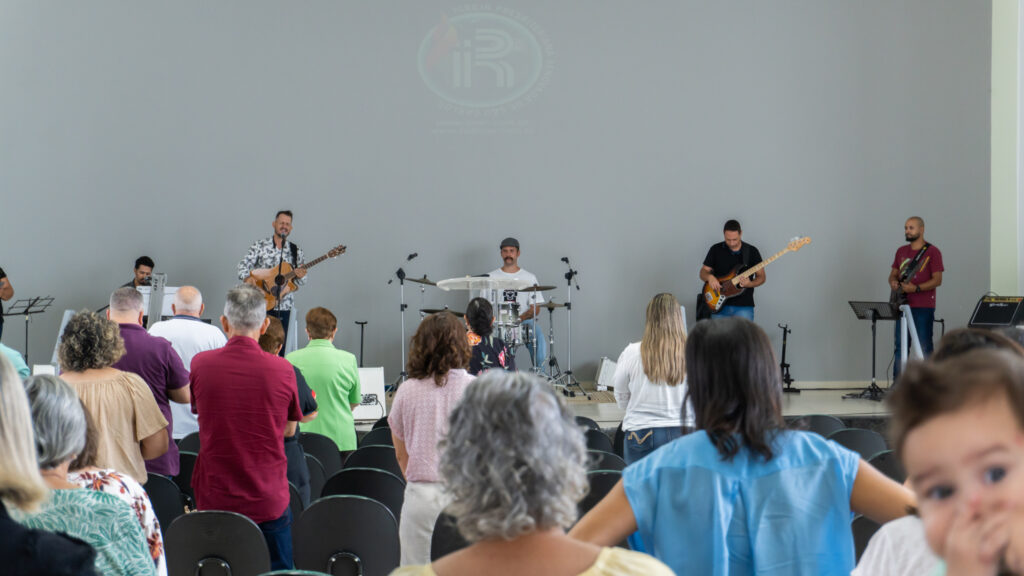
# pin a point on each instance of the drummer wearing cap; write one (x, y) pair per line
(510, 269)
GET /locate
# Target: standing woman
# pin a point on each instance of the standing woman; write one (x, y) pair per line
(438, 357)
(488, 351)
(650, 381)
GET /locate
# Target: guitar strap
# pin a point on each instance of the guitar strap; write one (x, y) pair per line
(295, 253)
(911, 268)
(745, 251)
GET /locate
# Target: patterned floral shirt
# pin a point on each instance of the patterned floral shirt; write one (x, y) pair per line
(489, 352)
(264, 254)
(132, 493)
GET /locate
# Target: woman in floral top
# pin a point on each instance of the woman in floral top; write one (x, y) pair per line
(489, 351)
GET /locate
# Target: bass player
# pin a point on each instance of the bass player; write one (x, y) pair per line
(916, 273)
(722, 259)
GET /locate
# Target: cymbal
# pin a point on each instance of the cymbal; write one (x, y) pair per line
(482, 283)
(423, 280)
(551, 305)
(436, 310)
(537, 289)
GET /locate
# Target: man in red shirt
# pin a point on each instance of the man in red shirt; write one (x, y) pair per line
(247, 401)
(919, 287)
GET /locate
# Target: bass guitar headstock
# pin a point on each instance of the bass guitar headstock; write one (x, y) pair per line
(798, 243)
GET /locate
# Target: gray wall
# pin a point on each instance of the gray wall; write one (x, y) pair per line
(178, 129)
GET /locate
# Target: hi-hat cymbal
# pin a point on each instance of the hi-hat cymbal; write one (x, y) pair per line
(551, 305)
(423, 280)
(537, 289)
(482, 283)
(436, 310)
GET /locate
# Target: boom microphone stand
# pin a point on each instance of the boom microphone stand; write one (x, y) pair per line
(569, 381)
(403, 375)
(787, 380)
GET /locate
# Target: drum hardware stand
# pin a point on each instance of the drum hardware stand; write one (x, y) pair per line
(400, 274)
(566, 379)
(536, 368)
(28, 307)
(362, 329)
(787, 380)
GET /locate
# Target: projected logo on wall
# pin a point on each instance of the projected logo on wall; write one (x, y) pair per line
(484, 58)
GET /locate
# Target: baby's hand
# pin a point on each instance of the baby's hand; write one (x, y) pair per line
(976, 542)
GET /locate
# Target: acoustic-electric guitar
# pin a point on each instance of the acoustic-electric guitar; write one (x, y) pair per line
(266, 279)
(731, 281)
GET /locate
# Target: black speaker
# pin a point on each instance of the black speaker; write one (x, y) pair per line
(998, 312)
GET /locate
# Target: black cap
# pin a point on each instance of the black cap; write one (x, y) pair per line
(510, 242)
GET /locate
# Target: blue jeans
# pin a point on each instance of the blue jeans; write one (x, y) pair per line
(278, 534)
(285, 317)
(741, 311)
(640, 443)
(542, 343)
(924, 318)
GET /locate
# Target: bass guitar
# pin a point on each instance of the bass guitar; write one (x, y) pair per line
(715, 299)
(898, 297)
(267, 280)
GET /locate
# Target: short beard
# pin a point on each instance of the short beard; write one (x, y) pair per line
(911, 238)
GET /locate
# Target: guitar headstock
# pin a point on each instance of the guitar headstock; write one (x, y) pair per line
(798, 243)
(336, 251)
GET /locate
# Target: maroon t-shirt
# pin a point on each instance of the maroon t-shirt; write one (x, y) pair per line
(244, 398)
(156, 362)
(931, 262)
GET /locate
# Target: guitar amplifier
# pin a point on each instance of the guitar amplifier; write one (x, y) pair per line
(998, 312)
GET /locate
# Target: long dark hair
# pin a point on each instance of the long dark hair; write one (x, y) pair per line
(480, 316)
(734, 385)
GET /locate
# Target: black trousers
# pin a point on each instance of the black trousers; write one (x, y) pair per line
(284, 316)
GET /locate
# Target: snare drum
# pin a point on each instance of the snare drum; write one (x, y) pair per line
(506, 324)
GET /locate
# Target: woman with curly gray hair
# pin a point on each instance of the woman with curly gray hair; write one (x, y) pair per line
(514, 463)
(132, 427)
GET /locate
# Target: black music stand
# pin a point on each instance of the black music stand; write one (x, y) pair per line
(27, 307)
(873, 311)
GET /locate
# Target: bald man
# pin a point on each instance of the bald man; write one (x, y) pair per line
(188, 336)
(915, 274)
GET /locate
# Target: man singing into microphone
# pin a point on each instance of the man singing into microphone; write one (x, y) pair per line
(267, 254)
(143, 271)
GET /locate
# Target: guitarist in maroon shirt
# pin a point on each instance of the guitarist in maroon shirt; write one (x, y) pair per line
(916, 273)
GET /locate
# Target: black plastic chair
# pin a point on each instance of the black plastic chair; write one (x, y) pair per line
(601, 483)
(445, 538)
(822, 424)
(599, 460)
(167, 500)
(867, 443)
(378, 437)
(863, 529)
(619, 442)
(295, 573)
(324, 449)
(294, 501)
(346, 535)
(189, 443)
(588, 422)
(381, 485)
(375, 456)
(186, 465)
(317, 478)
(215, 542)
(887, 463)
(598, 440)
(381, 422)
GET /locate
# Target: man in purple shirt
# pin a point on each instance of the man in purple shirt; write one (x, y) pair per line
(916, 272)
(156, 362)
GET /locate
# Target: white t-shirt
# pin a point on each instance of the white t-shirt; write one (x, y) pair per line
(898, 548)
(188, 336)
(647, 404)
(525, 299)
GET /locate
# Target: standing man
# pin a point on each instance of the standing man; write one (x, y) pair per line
(525, 300)
(248, 402)
(266, 255)
(188, 336)
(916, 272)
(725, 256)
(6, 293)
(143, 271)
(156, 362)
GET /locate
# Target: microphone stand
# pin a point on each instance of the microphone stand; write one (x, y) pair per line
(400, 274)
(568, 380)
(279, 279)
(362, 329)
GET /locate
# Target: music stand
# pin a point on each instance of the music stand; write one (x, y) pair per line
(873, 311)
(27, 307)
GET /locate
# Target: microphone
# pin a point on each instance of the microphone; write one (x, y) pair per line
(411, 256)
(565, 259)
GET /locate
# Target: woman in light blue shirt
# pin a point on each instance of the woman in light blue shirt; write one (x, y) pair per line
(743, 495)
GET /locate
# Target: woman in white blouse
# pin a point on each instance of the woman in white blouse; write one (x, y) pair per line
(650, 381)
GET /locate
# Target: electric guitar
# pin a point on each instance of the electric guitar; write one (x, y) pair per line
(731, 282)
(898, 297)
(267, 280)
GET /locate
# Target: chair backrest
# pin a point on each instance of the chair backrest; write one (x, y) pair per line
(375, 456)
(601, 482)
(378, 437)
(215, 542)
(167, 499)
(317, 478)
(600, 460)
(445, 538)
(598, 440)
(295, 573)
(325, 450)
(887, 463)
(863, 529)
(822, 424)
(339, 533)
(381, 485)
(588, 422)
(867, 443)
(381, 422)
(619, 442)
(190, 443)
(186, 464)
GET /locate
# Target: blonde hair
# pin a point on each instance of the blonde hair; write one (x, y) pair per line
(21, 485)
(663, 348)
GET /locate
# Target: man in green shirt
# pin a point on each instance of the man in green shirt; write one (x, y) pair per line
(333, 375)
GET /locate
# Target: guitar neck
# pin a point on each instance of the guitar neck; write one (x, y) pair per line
(307, 265)
(760, 266)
